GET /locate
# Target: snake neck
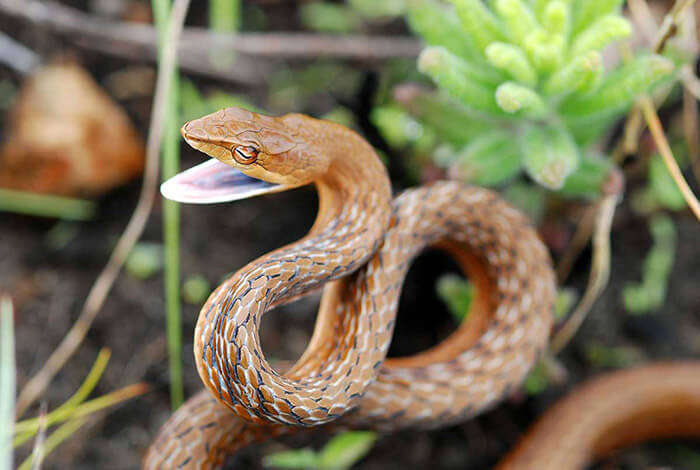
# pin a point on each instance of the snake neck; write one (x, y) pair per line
(354, 212)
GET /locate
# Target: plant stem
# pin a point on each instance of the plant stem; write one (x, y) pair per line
(84, 409)
(42, 205)
(664, 148)
(171, 218)
(7, 381)
(224, 17)
(99, 290)
(57, 437)
(598, 279)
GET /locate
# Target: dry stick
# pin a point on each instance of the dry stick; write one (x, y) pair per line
(598, 279)
(668, 29)
(36, 386)
(38, 450)
(139, 40)
(691, 123)
(664, 148)
(642, 16)
(16, 56)
(583, 233)
(669, 26)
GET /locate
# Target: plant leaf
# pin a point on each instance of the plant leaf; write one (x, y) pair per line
(345, 449)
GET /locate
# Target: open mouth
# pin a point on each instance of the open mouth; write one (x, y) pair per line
(213, 181)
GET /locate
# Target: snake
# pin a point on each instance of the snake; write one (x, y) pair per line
(358, 252)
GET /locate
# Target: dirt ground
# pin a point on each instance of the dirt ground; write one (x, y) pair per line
(49, 286)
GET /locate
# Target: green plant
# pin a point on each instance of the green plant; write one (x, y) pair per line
(170, 157)
(524, 86)
(650, 293)
(340, 453)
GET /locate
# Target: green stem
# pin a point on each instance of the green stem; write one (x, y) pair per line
(171, 221)
(42, 205)
(57, 437)
(224, 17)
(7, 381)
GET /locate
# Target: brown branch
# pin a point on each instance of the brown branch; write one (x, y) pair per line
(599, 275)
(138, 40)
(98, 293)
(669, 26)
(657, 133)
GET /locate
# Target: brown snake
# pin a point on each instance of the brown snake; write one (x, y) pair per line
(359, 250)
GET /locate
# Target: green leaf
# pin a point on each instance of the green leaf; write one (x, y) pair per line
(457, 293)
(397, 126)
(600, 355)
(582, 73)
(555, 17)
(546, 51)
(346, 449)
(451, 121)
(454, 75)
(662, 186)
(478, 21)
(589, 179)
(619, 89)
(373, 9)
(650, 293)
(196, 289)
(585, 12)
(551, 155)
(145, 260)
(527, 197)
(439, 26)
(537, 380)
(488, 160)
(511, 59)
(601, 33)
(292, 459)
(513, 97)
(518, 18)
(329, 18)
(564, 302)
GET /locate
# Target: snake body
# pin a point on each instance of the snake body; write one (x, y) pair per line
(359, 251)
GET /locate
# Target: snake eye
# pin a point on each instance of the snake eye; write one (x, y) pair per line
(245, 155)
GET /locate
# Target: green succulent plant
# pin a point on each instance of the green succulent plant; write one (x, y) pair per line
(521, 86)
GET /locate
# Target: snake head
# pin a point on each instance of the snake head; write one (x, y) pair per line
(252, 154)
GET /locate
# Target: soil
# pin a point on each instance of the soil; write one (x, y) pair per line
(50, 284)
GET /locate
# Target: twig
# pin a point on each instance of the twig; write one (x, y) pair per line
(669, 25)
(690, 81)
(38, 452)
(634, 125)
(57, 437)
(598, 279)
(691, 124)
(640, 12)
(36, 386)
(583, 233)
(130, 39)
(21, 59)
(664, 148)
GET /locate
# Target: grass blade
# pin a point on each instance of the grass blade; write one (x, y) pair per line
(7, 381)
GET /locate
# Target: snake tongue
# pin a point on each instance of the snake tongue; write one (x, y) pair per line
(213, 181)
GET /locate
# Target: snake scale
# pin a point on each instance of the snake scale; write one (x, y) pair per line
(358, 251)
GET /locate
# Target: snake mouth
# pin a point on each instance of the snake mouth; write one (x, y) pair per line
(212, 182)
